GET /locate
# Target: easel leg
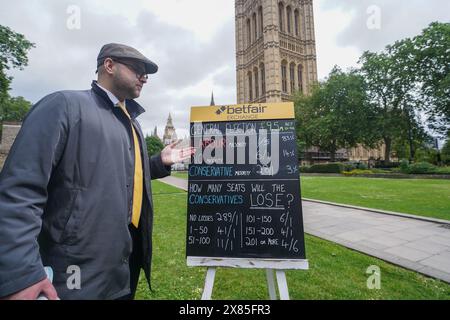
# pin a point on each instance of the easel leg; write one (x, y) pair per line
(282, 285)
(271, 284)
(209, 283)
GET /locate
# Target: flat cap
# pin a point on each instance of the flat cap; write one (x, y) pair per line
(121, 51)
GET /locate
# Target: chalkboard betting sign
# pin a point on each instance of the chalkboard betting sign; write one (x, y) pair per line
(244, 204)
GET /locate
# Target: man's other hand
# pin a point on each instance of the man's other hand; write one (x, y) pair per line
(170, 155)
(43, 287)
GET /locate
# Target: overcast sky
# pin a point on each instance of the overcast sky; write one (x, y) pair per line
(192, 41)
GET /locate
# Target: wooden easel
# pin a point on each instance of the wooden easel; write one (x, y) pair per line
(281, 281)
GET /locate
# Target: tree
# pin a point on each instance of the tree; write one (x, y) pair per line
(417, 142)
(389, 78)
(336, 115)
(407, 78)
(4, 87)
(13, 54)
(430, 56)
(154, 145)
(15, 109)
(445, 152)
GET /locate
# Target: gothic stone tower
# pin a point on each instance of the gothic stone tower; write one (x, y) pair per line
(275, 49)
(170, 134)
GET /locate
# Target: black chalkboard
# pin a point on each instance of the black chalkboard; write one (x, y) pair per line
(238, 208)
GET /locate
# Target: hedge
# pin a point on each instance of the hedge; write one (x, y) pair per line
(325, 168)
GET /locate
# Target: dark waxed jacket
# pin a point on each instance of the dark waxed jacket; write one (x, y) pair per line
(65, 197)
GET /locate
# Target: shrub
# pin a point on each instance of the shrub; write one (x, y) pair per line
(327, 168)
(382, 171)
(426, 155)
(361, 166)
(383, 165)
(443, 170)
(357, 172)
(446, 159)
(349, 166)
(422, 168)
(304, 169)
(404, 166)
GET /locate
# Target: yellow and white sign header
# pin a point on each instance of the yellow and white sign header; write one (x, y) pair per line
(243, 112)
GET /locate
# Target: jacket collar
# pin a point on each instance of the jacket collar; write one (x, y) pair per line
(133, 108)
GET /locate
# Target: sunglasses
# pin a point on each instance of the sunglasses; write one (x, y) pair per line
(138, 71)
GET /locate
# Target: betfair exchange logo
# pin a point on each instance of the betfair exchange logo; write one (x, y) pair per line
(244, 109)
(242, 112)
(221, 109)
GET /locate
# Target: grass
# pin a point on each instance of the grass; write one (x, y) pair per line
(423, 197)
(335, 272)
(181, 175)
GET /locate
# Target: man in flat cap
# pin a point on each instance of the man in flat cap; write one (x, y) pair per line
(75, 190)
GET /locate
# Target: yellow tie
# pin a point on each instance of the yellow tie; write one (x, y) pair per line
(138, 177)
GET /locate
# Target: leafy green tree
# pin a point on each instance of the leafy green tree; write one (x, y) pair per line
(4, 87)
(154, 145)
(430, 55)
(412, 134)
(408, 149)
(336, 115)
(426, 154)
(15, 109)
(13, 54)
(409, 77)
(391, 87)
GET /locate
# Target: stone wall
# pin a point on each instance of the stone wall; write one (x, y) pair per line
(9, 134)
(2, 159)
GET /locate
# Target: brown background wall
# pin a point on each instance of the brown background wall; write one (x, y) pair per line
(9, 133)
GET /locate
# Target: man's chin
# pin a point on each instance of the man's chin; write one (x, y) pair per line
(135, 94)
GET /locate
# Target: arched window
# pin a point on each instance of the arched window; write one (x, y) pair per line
(263, 78)
(250, 86)
(300, 78)
(249, 33)
(296, 22)
(292, 77)
(261, 21)
(284, 76)
(281, 16)
(255, 27)
(289, 19)
(255, 71)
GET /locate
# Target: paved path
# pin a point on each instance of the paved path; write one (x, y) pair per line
(423, 246)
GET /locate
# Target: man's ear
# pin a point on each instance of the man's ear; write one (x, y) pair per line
(108, 65)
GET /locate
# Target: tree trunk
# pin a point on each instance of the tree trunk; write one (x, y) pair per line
(333, 156)
(412, 152)
(333, 152)
(387, 150)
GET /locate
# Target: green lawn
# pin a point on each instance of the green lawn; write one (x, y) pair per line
(335, 272)
(182, 175)
(423, 197)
